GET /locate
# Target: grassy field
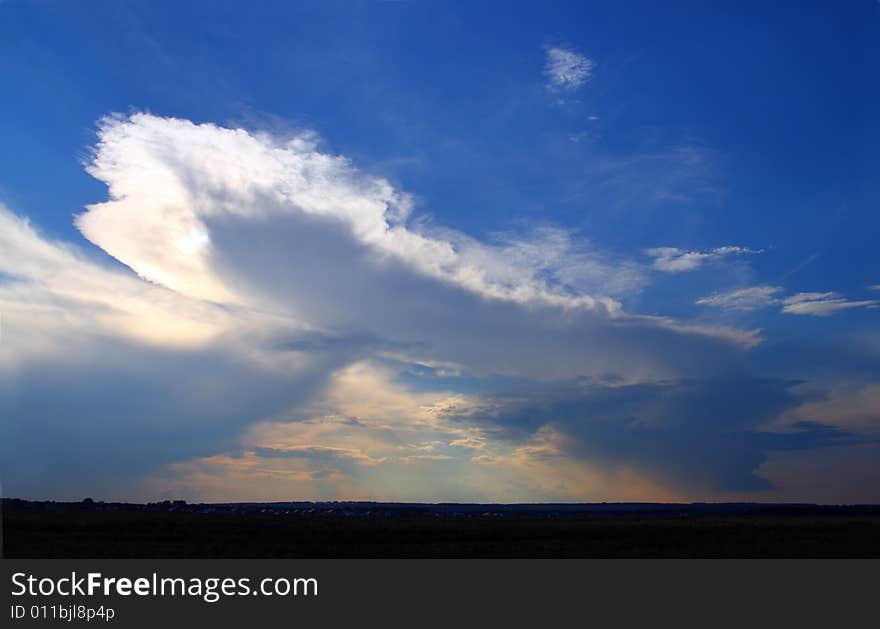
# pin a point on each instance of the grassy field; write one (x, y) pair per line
(146, 534)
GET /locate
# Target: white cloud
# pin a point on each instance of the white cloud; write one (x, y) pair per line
(756, 297)
(675, 260)
(248, 219)
(55, 288)
(253, 239)
(566, 70)
(259, 267)
(751, 298)
(169, 178)
(822, 304)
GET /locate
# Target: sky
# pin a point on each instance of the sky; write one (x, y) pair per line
(432, 251)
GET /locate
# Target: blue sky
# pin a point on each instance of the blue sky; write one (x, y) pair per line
(617, 252)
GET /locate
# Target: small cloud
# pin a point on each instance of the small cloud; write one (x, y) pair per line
(746, 299)
(566, 70)
(593, 118)
(875, 287)
(756, 297)
(317, 453)
(822, 304)
(470, 442)
(675, 260)
(418, 458)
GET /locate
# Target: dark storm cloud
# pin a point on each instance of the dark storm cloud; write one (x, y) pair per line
(130, 410)
(688, 432)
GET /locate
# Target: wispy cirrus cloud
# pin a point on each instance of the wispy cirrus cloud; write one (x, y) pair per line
(675, 260)
(566, 69)
(746, 299)
(822, 304)
(757, 297)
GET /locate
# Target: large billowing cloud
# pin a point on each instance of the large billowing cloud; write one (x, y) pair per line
(273, 294)
(276, 226)
(105, 376)
(175, 186)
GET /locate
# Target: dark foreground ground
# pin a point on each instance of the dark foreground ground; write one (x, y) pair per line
(33, 529)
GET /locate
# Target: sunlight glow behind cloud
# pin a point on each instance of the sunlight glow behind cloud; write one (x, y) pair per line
(277, 292)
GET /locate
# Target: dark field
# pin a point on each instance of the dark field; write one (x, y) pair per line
(72, 532)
